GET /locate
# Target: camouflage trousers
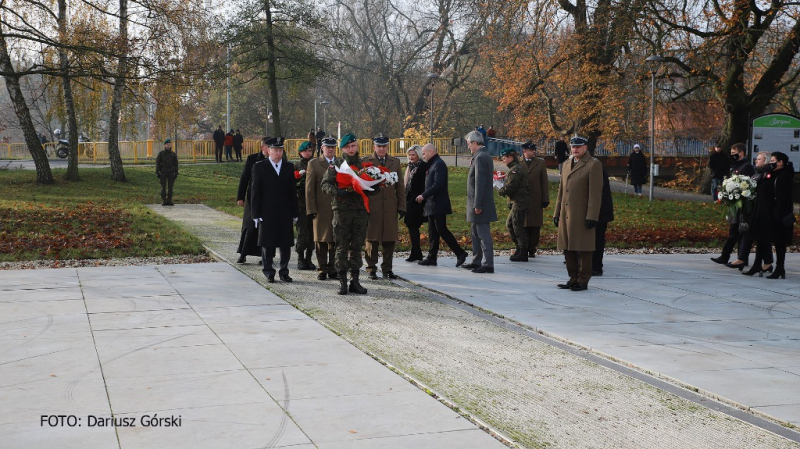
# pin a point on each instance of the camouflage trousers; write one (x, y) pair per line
(305, 233)
(516, 227)
(349, 233)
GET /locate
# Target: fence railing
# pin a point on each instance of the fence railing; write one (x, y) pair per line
(145, 151)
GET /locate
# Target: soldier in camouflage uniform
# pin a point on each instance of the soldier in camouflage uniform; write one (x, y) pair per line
(519, 198)
(305, 234)
(167, 171)
(350, 219)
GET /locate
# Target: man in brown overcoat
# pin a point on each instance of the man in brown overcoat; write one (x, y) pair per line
(540, 194)
(384, 209)
(577, 211)
(318, 208)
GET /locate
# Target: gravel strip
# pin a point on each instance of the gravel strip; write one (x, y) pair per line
(535, 394)
(73, 263)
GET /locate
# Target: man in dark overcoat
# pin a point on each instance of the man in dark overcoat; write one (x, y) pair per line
(481, 210)
(274, 208)
(219, 141)
(167, 172)
(248, 242)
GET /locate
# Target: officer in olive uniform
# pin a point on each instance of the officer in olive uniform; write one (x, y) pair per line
(167, 171)
(350, 219)
(519, 199)
(318, 208)
(305, 234)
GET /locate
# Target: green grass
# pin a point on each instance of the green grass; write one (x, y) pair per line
(99, 218)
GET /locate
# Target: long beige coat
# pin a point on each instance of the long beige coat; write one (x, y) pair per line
(319, 202)
(384, 205)
(539, 188)
(579, 196)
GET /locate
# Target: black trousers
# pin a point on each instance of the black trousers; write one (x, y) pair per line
(733, 239)
(599, 245)
(437, 228)
(267, 256)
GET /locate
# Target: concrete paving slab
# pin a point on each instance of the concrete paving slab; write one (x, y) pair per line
(255, 313)
(462, 439)
(99, 304)
(143, 319)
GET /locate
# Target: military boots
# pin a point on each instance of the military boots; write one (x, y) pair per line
(343, 282)
(355, 287)
(310, 264)
(520, 255)
(302, 264)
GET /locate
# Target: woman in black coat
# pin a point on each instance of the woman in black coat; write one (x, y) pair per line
(773, 218)
(637, 167)
(415, 185)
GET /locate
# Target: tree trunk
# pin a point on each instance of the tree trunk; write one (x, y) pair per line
(43, 173)
(114, 158)
(63, 59)
(272, 80)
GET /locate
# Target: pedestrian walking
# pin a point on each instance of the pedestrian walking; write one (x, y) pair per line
(577, 212)
(741, 166)
(516, 189)
(319, 209)
(539, 188)
(248, 241)
(167, 172)
(305, 232)
(274, 209)
(481, 211)
(414, 181)
(763, 259)
(637, 168)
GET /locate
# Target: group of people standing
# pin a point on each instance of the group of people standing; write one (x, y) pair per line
(769, 221)
(231, 142)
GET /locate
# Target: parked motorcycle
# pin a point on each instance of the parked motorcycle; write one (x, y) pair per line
(62, 149)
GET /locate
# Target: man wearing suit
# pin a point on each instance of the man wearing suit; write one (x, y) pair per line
(248, 242)
(540, 194)
(384, 209)
(274, 208)
(577, 212)
(481, 211)
(318, 208)
(437, 208)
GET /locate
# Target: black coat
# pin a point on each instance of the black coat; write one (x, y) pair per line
(219, 137)
(415, 212)
(719, 164)
(773, 203)
(743, 168)
(606, 203)
(637, 167)
(274, 200)
(238, 140)
(562, 151)
(248, 242)
(436, 194)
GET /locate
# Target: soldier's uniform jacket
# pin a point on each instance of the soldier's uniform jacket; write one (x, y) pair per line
(166, 163)
(579, 199)
(515, 187)
(319, 202)
(301, 165)
(352, 202)
(384, 205)
(539, 188)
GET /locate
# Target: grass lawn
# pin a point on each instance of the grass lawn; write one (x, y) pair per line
(99, 218)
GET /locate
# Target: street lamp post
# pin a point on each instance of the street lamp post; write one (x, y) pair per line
(432, 77)
(654, 62)
(325, 104)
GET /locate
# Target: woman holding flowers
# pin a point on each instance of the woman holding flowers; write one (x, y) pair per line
(736, 193)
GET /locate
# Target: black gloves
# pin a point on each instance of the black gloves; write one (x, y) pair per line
(312, 216)
(591, 224)
(341, 193)
(158, 175)
(555, 221)
(545, 204)
(401, 213)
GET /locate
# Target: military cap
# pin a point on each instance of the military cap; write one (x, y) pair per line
(329, 141)
(167, 141)
(578, 141)
(508, 151)
(380, 140)
(276, 142)
(305, 146)
(528, 145)
(347, 139)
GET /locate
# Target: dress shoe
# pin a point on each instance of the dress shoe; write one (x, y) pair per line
(373, 275)
(532, 254)
(519, 257)
(565, 286)
(471, 266)
(241, 259)
(483, 269)
(428, 262)
(739, 266)
(576, 287)
(170, 203)
(285, 278)
(322, 276)
(271, 278)
(460, 259)
(413, 258)
(720, 260)
(389, 275)
(597, 272)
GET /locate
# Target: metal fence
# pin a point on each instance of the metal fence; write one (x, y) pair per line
(145, 151)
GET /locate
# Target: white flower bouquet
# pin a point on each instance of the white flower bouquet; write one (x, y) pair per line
(737, 193)
(498, 180)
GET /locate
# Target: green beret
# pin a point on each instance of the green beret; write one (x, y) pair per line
(347, 139)
(167, 141)
(304, 146)
(508, 151)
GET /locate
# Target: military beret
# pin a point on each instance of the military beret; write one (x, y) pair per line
(508, 151)
(578, 141)
(329, 141)
(529, 145)
(305, 146)
(380, 140)
(276, 142)
(347, 139)
(167, 141)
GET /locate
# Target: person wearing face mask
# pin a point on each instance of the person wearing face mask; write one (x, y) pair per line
(637, 167)
(759, 266)
(740, 166)
(773, 217)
